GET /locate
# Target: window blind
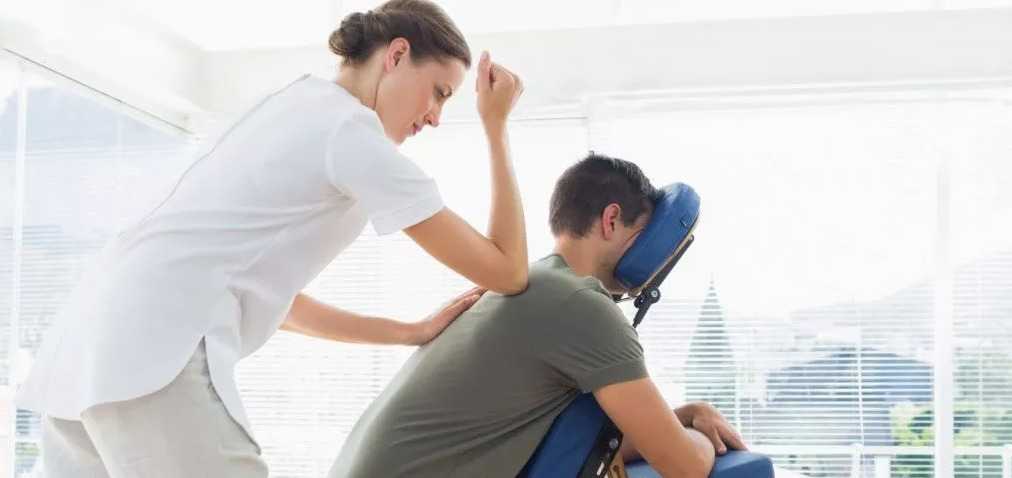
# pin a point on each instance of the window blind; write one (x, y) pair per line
(88, 167)
(979, 149)
(805, 309)
(10, 77)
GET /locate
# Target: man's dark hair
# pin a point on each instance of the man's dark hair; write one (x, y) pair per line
(590, 185)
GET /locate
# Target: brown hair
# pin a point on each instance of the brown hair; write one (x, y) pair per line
(589, 186)
(427, 28)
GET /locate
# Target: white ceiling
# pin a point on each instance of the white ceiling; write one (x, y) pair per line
(183, 60)
(220, 25)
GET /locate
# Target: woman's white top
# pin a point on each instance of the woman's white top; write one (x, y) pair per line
(261, 211)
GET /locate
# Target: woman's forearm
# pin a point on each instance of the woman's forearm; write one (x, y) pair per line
(315, 318)
(506, 227)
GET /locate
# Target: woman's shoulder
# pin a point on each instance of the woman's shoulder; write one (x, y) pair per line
(324, 103)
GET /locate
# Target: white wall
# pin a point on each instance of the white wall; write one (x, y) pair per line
(107, 49)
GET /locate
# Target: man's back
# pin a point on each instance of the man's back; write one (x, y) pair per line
(476, 401)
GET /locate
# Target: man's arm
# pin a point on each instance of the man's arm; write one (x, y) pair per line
(654, 432)
(684, 415)
(704, 418)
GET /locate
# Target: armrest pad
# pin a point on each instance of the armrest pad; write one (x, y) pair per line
(734, 464)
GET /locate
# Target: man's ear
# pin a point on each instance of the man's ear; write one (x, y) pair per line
(610, 217)
(398, 50)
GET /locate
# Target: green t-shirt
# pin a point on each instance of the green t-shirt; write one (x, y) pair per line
(477, 400)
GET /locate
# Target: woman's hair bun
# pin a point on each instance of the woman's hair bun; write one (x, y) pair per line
(350, 40)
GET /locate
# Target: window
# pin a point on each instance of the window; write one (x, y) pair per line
(806, 308)
(88, 166)
(9, 88)
(981, 205)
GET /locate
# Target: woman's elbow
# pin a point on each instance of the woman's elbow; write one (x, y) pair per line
(512, 283)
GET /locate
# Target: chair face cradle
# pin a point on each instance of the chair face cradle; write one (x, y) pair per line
(583, 442)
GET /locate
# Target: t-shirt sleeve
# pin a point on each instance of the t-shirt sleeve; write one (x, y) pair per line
(391, 189)
(592, 344)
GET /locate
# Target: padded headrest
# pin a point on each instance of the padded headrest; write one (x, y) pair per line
(672, 222)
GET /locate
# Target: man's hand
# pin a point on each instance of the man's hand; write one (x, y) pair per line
(705, 418)
(423, 332)
(653, 432)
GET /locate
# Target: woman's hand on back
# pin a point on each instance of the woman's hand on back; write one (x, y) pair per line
(423, 332)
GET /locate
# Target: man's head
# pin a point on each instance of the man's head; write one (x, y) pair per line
(598, 208)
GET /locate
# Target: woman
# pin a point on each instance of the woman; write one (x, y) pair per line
(136, 376)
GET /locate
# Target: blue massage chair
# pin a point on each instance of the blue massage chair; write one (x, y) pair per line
(583, 442)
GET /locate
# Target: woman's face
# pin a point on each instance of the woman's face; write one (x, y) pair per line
(411, 94)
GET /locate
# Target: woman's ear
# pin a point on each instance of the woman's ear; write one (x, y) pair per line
(396, 51)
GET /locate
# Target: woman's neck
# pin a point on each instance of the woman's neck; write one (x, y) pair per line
(361, 81)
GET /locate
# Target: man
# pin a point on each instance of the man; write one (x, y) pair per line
(478, 400)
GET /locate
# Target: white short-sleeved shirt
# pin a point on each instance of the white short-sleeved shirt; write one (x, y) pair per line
(248, 225)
